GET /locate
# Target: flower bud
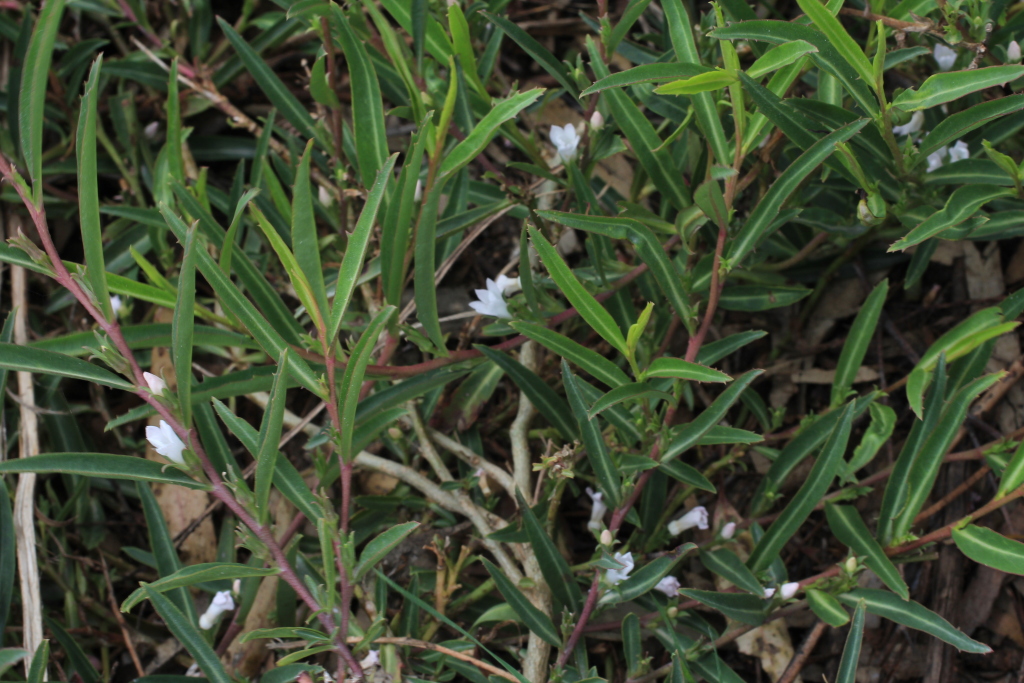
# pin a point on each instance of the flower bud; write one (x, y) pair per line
(789, 590)
(597, 120)
(606, 537)
(851, 564)
(156, 385)
(728, 530)
(1013, 52)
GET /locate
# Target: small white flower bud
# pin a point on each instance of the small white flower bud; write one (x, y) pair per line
(1013, 52)
(325, 197)
(156, 385)
(606, 537)
(728, 530)
(769, 593)
(789, 590)
(115, 305)
(597, 120)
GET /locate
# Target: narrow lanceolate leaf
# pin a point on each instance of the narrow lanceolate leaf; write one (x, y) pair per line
(990, 548)
(535, 620)
(950, 86)
(32, 98)
(270, 436)
(543, 397)
(883, 420)
(691, 433)
(553, 566)
(630, 392)
(730, 567)
(681, 369)
(1013, 475)
(299, 280)
(8, 555)
(38, 361)
(587, 359)
(826, 607)
(954, 127)
(779, 56)
(589, 309)
(396, 225)
(538, 52)
(761, 219)
(305, 242)
(161, 543)
(912, 615)
(102, 466)
(646, 73)
(846, 523)
(370, 134)
(198, 573)
(743, 607)
(961, 205)
(183, 326)
(608, 477)
(424, 261)
(378, 548)
(851, 652)
(88, 193)
(37, 669)
(840, 39)
(463, 45)
(485, 130)
(644, 580)
(175, 159)
(803, 502)
(352, 380)
(861, 334)
(188, 635)
(701, 83)
(358, 241)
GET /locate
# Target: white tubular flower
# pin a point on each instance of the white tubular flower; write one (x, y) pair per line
(697, 517)
(936, 158)
(166, 442)
(596, 512)
(222, 602)
(944, 56)
(372, 658)
(1013, 52)
(729, 530)
(616, 576)
(769, 593)
(959, 152)
(910, 127)
(491, 301)
(156, 385)
(669, 586)
(115, 305)
(789, 590)
(508, 285)
(597, 120)
(566, 140)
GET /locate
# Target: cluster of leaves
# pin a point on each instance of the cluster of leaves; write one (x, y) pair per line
(300, 246)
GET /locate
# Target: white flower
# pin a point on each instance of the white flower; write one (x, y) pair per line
(156, 385)
(669, 586)
(324, 196)
(912, 126)
(959, 152)
(1013, 52)
(115, 304)
(944, 56)
(222, 602)
(789, 590)
(491, 300)
(372, 658)
(166, 442)
(151, 130)
(596, 512)
(565, 139)
(697, 517)
(596, 120)
(508, 285)
(769, 592)
(728, 530)
(936, 158)
(615, 576)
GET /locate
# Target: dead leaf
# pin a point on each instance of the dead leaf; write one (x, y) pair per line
(984, 272)
(821, 376)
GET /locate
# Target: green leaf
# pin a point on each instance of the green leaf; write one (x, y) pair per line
(1013, 474)
(826, 607)
(38, 361)
(628, 392)
(839, 38)
(956, 125)
(183, 326)
(173, 145)
(591, 361)
(711, 201)
(741, 607)
(646, 73)
(395, 227)
(961, 205)
(88, 193)
(763, 216)
(608, 477)
(485, 130)
(701, 83)
(195, 574)
(632, 643)
(188, 635)
(352, 380)
(303, 290)
(990, 548)
(646, 578)
(463, 46)
(370, 133)
(269, 437)
(553, 566)
(690, 434)
(730, 567)
(847, 525)
(810, 493)
(536, 51)
(633, 10)
(546, 400)
(947, 87)
(779, 56)
(680, 471)
(589, 309)
(278, 93)
(847, 672)
(162, 546)
(103, 466)
(715, 351)
(305, 241)
(912, 615)
(681, 369)
(862, 332)
(358, 242)
(535, 620)
(32, 98)
(378, 548)
(424, 261)
(37, 670)
(9, 656)
(883, 421)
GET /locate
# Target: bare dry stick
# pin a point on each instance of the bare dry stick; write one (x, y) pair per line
(519, 431)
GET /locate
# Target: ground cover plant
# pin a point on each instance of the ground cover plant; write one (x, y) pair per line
(508, 340)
